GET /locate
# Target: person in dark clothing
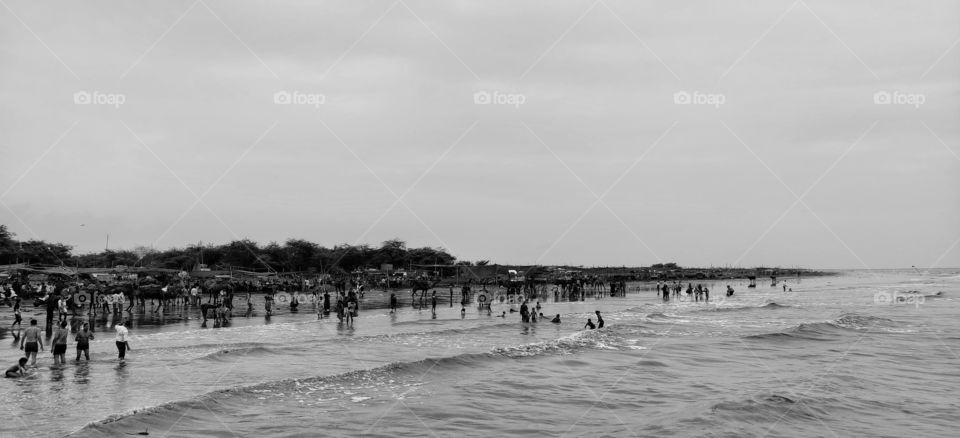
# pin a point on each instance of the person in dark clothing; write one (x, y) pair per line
(17, 317)
(590, 324)
(599, 320)
(51, 307)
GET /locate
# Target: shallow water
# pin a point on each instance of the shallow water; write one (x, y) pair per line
(823, 360)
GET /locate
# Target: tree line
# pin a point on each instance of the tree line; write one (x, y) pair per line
(292, 255)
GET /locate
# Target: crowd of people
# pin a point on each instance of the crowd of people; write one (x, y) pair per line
(31, 343)
(220, 307)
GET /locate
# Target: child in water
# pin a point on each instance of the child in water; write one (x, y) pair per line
(18, 370)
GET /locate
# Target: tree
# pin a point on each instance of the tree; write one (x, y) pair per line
(301, 254)
(392, 251)
(293, 255)
(275, 256)
(8, 246)
(40, 252)
(242, 253)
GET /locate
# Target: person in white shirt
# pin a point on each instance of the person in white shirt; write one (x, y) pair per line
(62, 306)
(122, 344)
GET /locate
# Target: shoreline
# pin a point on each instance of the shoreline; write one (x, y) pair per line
(373, 300)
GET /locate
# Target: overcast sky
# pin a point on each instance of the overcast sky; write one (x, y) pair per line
(774, 152)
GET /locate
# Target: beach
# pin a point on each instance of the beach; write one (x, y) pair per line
(823, 358)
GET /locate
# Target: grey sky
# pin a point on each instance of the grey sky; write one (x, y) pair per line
(698, 184)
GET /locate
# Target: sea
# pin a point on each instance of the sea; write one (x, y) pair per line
(859, 353)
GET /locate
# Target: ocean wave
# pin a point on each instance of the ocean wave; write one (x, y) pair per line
(863, 322)
(844, 325)
(762, 408)
(235, 351)
(377, 378)
(718, 308)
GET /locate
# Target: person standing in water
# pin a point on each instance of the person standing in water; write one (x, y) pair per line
(268, 304)
(83, 342)
(351, 308)
(599, 320)
(433, 303)
(121, 339)
(17, 317)
(62, 307)
(30, 341)
(60, 344)
(339, 307)
(393, 302)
